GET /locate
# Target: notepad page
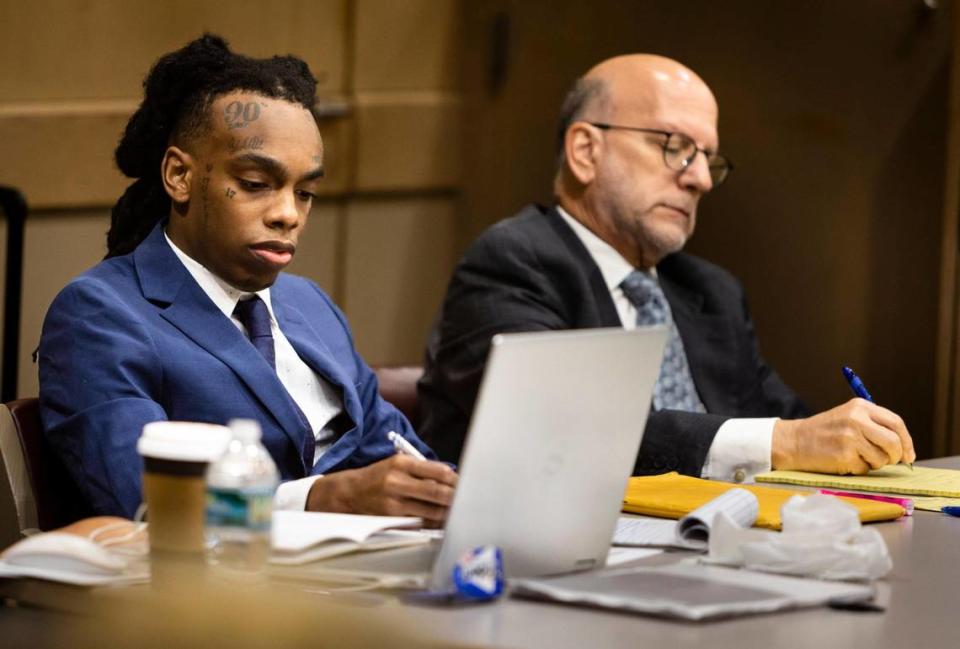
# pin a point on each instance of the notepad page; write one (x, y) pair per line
(740, 505)
(645, 532)
(895, 479)
(934, 503)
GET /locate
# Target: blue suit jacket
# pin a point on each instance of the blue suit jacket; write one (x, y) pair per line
(135, 339)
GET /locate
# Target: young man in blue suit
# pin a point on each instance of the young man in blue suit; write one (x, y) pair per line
(191, 318)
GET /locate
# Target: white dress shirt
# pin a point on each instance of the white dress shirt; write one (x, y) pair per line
(741, 447)
(315, 397)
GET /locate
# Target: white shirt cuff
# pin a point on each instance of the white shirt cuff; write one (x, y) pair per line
(740, 450)
(292, 495)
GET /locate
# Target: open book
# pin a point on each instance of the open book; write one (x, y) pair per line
(301, 537)
(693, 530)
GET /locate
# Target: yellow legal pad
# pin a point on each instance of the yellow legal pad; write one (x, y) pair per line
(942, 484)
(672, 495)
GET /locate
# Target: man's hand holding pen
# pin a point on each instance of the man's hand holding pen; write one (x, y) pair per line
(404, 484)
(851, 438)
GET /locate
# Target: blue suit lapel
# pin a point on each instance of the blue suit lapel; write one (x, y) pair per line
(309, 345)
(165, 280)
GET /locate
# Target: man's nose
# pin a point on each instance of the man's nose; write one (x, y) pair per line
(696, 175)
(284, 213)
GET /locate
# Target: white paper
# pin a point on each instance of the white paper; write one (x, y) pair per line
(387, 540)
(619, 556)
(644, 531)
(294, 531)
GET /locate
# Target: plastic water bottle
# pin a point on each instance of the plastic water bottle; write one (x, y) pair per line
(240, 489)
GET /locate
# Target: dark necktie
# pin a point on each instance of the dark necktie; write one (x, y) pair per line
(674, 389)
(255, 317)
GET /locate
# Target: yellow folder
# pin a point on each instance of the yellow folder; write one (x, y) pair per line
(672, 495)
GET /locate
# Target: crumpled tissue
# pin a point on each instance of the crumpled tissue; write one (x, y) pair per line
(822, 537)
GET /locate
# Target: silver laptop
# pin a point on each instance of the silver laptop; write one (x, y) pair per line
(552, 442)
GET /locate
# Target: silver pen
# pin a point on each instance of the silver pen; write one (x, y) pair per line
(403, 446)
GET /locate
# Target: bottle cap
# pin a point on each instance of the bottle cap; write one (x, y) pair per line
(183, 441)
(246, 430)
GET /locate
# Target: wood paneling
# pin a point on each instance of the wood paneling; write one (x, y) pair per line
(399, 256)
(407, 141)
(102, 49)
(410, 45)
(57, 247)
(946, 430)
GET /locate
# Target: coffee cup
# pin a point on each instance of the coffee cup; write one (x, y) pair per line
(175, 458)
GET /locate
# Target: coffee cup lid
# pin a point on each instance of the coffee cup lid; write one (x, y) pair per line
(183, 441)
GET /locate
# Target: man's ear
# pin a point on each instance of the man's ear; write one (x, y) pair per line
(178, 171)
(582, 149)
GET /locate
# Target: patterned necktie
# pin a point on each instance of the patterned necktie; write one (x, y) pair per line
(255, 317)
(674, 389)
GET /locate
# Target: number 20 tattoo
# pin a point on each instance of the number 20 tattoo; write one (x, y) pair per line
(238, 115)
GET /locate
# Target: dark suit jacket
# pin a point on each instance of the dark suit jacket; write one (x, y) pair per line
(135, 339)
(531, 272)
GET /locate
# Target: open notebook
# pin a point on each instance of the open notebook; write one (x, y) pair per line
(301, 537)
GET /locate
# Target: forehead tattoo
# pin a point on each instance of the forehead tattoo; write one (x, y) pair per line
(238, 114)
(252, 143)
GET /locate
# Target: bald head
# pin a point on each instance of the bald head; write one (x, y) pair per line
(613, 174)
(641, 84)
(648, 83)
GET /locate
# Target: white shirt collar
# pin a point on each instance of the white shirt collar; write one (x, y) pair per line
(223, 295)
(613, 266)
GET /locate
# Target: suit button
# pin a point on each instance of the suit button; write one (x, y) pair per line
(739, 475)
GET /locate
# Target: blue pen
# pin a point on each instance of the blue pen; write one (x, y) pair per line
(856, 384)
(860, 390)
(953, 511)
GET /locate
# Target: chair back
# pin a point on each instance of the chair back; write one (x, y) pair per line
(398, 385)
(44, 493)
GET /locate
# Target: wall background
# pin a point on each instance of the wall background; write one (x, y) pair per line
(441, 118)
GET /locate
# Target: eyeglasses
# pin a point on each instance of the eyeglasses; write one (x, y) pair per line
(679, 151)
